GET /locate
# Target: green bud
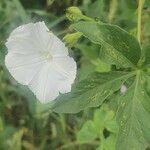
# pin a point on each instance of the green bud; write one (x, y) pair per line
(72, 39)
(74, 13)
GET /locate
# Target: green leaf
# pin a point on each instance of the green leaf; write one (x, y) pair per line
(118, 47)
(101, 66)
(134, 117)
(112, 126)
(90, 92)
(99, 119)
(104, 118)
(87, 133)
(109, 142)
(91, 52)
(86, 69)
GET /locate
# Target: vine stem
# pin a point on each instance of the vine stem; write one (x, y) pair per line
(140, 6)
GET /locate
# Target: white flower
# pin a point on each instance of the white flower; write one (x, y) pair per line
(37, 58)
(123, 89)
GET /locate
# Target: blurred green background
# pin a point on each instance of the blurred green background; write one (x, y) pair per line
(28, 125)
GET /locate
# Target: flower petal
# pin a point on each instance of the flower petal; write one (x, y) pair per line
(66, 66)
(57, 49)
(35, 37)
(29, 38)
(54, 78)
(44, 84)
(23, 67)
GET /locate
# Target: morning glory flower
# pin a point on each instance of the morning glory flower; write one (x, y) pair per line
(38, 59)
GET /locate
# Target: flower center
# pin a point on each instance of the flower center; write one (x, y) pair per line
(49, 57)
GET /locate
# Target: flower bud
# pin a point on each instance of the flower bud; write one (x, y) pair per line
(74, 13)
(71, 39)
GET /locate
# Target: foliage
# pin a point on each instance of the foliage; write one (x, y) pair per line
(103, 123)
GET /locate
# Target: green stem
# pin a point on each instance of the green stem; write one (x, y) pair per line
(77, 143)
(112, 10)
(87, 18)
(140, 6)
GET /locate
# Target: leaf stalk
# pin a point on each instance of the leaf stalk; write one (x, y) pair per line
(139, 22)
